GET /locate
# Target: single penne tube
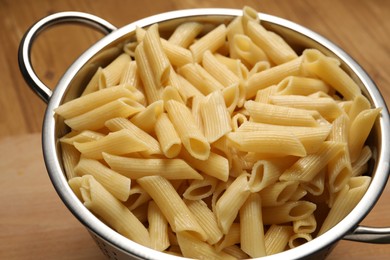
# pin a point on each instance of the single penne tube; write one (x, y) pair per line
(120, 142)
(167, 136)
(158, 228)
(151, 88)
(234, 27)
(117, 184)
(272, 76)
(187, 89)
(195, 111)
(237, 120)
(75, 184)
(130, 75)
(206, 219)
(296, 85)
(156, 56)
(200, 189)
(276, 48)
(70, 158)
(340, 129)
(276, 238)
(307, 225)
(345, 201)
(95, 119)
(146, 119)
(306, 168)
(327, 70)
(258, 67)
(311, 137)
(135, 168)
(290, 211)
(119, 123)
(97, 199)
(192, 247)
(360, 165)
(171, 92)
(264, 95)
(234, 65)
(233, 237)
(212, 41)
(215, 165)
(267, 142)
(247, 50)
(192, 138)
(299, 239)
(339, 170)
(215, 116)
(316, 186)
(81, 137)
(251, 227)
(93, 84)
(359, 103)
(185, 34)
(113, 71)
(236, 251)
(229, 204)
(278, 193)
(279, 115)
(326, 106)
(249, 14)
(299, 193)
(231, 96)
(200, 78)
(91, 101)
(218, 70)
(172, 206)
(138, 197)
(364, 121)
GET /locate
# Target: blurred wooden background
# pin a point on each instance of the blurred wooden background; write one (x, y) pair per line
(34, 223)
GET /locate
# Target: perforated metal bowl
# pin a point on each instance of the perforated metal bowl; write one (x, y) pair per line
(71, 84)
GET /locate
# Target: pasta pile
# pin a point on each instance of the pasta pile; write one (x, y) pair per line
(219, 144)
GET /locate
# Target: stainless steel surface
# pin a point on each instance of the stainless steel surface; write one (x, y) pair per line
(370, 235)
(24, 55)
(109, 47)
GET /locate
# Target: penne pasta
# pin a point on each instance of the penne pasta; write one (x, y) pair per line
(158, 228)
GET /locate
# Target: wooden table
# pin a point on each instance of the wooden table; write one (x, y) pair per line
(34, 223)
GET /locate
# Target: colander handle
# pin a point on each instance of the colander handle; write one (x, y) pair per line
(374, 235)
(24, 53)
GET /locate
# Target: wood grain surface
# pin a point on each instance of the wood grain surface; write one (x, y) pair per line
(34, 223)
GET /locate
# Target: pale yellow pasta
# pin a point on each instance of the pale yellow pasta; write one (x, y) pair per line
(146, 119)
(231, 238)
(113, 71)
(197, 102)
(120, 142)
(200, 189)
(259, 67)
(215, 165)
(130, 75)
(287, 212)
(119, 123)
(81, 137)
(137, 197)
(136, 168)
(345, 201)
(75, 184)
(294, 85)
(364, 121)
(200, 78)
(193, 140)
(235, 66)
(206, 219)
(172, 206)
(306, 168)
(212, 41)
(192, 247)
(70, 158)
(272, 76)
(187, 89)
(234, 27)
(339, 170)
(316, 186)
(231, 96)
(276, 238)
(218, 70)
(278, 51)
(91, 101)
(229, 204)
(279, 115)
(95, 119)
(167, 136)
(175, 83)
(359, 166)
(299, 239)
(185, 34)
(249, 14)
(323, 67)
(215, 116)
(93, 84)
(169, 93)
(278, 193)
(327, 107)
(251, 227)
(307, 225)
(97, 199)
(158, 228)
(267, 142)
(235, 251)
(247, 50)
(151, 88)
(264, 95)
(156, 56)
(359, 103)
(115, 183)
